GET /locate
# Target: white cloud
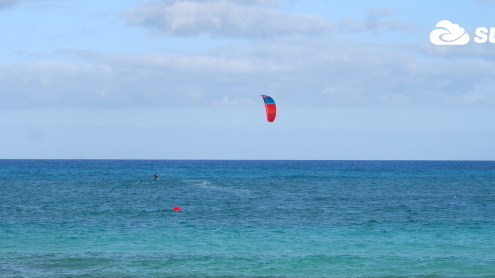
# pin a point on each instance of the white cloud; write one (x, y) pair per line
(481, 93)
(8, 3)
(482, 51)
(52, 84)
(223, 18)
(376, 20)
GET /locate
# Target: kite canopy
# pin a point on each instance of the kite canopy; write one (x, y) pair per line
(271, 108)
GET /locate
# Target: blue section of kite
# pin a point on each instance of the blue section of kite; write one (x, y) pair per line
(268, 99)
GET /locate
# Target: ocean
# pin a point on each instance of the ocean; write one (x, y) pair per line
(110, 218)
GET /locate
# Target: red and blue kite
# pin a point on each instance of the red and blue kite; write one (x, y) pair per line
(271, 108)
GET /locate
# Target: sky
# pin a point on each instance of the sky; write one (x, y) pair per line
(182, 79)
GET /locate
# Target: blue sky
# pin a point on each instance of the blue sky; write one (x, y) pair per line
(177, 79)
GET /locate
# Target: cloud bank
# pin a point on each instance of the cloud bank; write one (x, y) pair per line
(300, 70)
(222, 18)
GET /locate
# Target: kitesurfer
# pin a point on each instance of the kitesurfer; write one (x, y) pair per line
(157, 177)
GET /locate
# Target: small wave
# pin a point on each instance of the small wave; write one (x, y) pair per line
(205, 184)
(200, 183)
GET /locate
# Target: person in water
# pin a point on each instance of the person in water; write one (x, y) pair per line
(157, 177)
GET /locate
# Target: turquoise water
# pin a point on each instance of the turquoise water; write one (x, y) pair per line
(106, 218)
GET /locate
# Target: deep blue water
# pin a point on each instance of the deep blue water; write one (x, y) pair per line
(109, 218)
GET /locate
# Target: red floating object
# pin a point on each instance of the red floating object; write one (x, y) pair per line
(177, 209)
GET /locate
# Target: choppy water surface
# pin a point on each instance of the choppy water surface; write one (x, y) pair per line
(104, 218)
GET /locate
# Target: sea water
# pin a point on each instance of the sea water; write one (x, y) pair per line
(109, 218)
